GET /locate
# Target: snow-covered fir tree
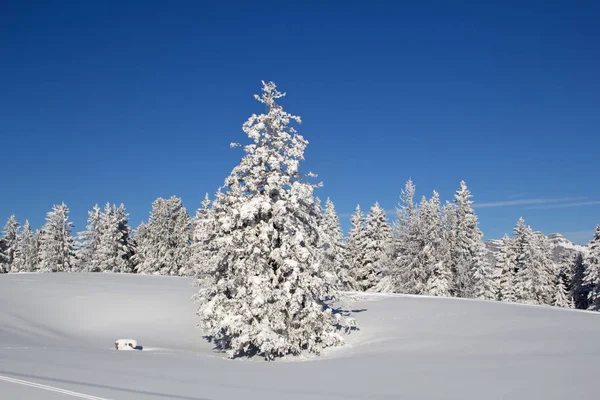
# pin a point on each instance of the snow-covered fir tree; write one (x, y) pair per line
(57, 248)
(26, 251)
(562, 290)
(165, 246)
(88, 242)
(3, 248)
(472, 274)
(115, 248)
(138, 237)
(579, 288)
(405, 215)
(37, 240)
(10, 235)
(534, 267)
(267, 291)
(355, 248)
(334, 249)
(592, 273)
(408, 276)
(376, 250)
(432, 258)
(506, 270)
(547, 270)
(203, 245)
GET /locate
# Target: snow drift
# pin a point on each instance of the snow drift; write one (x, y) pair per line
(59, 330)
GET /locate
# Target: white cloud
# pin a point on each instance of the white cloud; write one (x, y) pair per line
(525, 202)
(564, 205)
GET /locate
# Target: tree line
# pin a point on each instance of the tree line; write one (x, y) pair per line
(270, 260)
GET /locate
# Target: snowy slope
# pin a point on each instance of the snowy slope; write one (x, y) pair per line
(58, 330)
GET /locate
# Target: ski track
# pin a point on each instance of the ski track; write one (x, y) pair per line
(50, 388)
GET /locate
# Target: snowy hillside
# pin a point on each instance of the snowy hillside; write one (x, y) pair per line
(57, 333)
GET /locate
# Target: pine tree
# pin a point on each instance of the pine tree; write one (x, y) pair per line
(405, 215)
(203, 247)
(3, 248)
(114, 249)
(89, 240)
(592, 273)
(534, 267)
(138, 237)
(473, 276)
(356, 246)
(37, 240)
(165, 248)
(562, 290)
(405, 278)
(376, 249)
(10, 239)
(547, 271)
(26, 252)
(334, 249)
(266, 291)
(432, 256)
(579, 288)
(506, 266)
(57, 249)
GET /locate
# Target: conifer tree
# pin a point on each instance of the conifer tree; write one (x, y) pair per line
(376, 249)
(203, 247)
(534, 267)
(10, 237)
(165, 247)
(473, 276)
(266, 291)
(524, 254)
(547, 270)
(432, 257)
(506, 270)
(334, 249)
(26, 252)
(405, 278)
(57, 249)
(592, 273)
(114, 249)
(562, 291)
(89, 241)
(405, 216)
(356, 246)
(579, 288)
(138, 237)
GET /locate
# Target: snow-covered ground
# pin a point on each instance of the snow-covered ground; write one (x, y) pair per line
(57, 334)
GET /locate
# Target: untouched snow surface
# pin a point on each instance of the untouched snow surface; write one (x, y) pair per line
(58, 331)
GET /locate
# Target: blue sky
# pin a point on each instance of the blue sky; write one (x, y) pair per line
(128, 101)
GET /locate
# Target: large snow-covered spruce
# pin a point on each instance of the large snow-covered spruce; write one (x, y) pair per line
(264, 290)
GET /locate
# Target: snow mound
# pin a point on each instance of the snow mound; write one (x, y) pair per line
(54, 329)
(127, 344)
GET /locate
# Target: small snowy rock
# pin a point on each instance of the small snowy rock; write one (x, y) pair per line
(126, 344)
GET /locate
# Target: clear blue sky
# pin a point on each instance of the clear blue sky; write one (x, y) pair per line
(127, 101)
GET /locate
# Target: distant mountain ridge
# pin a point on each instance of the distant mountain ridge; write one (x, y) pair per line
(560, 246)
